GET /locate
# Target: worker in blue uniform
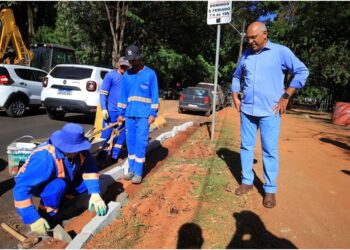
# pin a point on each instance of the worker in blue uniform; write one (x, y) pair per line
(109, 94)
(58, 168)
(138, 106)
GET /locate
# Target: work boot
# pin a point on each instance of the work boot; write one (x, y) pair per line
(136, 179)
(129, 176)
(243, 189)
(269, 200)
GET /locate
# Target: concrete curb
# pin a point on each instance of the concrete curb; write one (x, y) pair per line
(99, 222)
(95, 225)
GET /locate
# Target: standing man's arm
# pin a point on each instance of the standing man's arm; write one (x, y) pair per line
(122, 101)
(236, 85)
(104, 93)
(299, 73)
(154, 99)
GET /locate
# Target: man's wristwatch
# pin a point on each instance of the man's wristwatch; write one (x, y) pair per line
(285, 95)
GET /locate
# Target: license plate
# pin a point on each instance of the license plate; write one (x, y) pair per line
(64, 92)
(192, 105)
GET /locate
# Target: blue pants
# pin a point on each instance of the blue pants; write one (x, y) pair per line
(137, 132)
(54, 194)
(269, 132)
(51, 197)
(117, 141)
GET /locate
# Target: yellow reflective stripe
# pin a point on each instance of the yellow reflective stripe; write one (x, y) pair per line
(90, 176)
(104, 92)
(48, 209)
(121, 105)
(154, 106)
(24, 203)
(140, 160)
(131, 157)
(118, 146)
(139, 98)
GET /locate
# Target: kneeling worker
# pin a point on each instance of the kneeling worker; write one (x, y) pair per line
(61, 166)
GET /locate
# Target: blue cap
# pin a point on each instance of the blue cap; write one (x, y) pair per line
(70, 139)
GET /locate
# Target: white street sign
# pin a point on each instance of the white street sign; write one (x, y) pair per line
(219, 12)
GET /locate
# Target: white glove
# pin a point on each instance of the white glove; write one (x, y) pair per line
(41, 226)
(97, 202)
(105, 114)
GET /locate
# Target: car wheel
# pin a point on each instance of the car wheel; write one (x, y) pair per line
(55, 115)
(17, 108)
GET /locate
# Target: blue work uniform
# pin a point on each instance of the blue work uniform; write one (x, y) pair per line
(138, 101)
(49, 174)
(109, 93)
(263, 74)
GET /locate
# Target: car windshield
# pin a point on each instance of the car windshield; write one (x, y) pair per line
(198, 92)
(71, 73)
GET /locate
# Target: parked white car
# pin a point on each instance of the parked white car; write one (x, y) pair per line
(20, 87)
(72, 88)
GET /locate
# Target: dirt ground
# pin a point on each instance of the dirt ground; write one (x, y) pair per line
(312, 200)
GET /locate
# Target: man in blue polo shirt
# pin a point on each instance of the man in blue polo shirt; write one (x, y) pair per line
(261, 69)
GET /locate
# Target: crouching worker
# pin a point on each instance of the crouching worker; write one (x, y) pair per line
(58, 168)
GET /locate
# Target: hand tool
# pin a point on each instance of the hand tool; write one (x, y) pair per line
(25, 242)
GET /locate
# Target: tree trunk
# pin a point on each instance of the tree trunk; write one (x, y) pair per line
(30, 13)
(116, 15)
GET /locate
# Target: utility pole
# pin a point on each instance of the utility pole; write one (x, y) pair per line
(242, 34)
(242, 39)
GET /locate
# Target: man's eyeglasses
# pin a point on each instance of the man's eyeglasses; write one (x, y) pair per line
(247, 38)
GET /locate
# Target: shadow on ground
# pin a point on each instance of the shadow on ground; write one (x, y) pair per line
(153, 158)
(251, 233)
(189, 237)
(28, 113)
(335, 143)
(80, 118)
(346, 171)
(233, 161)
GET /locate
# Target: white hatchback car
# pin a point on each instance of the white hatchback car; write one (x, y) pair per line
(72, 88)
(20, 87)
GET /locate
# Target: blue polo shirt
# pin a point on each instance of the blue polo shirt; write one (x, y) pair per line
(262, 75)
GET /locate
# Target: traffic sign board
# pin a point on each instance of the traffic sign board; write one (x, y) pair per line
(219, 12)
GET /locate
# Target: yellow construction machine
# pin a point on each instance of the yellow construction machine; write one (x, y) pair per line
(10, 32)
(41, 55)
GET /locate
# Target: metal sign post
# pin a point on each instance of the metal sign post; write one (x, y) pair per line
(218, 12)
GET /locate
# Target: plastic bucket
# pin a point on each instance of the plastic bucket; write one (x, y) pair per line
(341, 114)
(18, 152)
